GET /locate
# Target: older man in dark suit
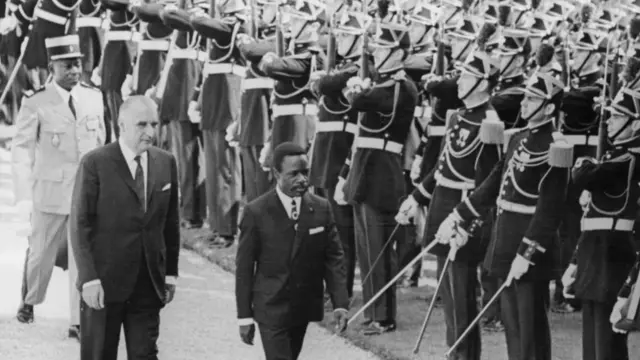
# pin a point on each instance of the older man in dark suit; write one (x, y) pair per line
(288, 246)
(125, 234)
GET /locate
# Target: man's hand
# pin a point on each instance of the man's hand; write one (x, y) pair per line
(95, 77)
(169, 293)
(338, 195)
(430, 78)
(247, 332)
(127, 87)
(341, 317)
(265, 152)
(568, 278)
(408, 211)
(93, 295)
(447, 228)
(460, 237)
(266, 60)
(24, 208)
(231, 135)
(194, 113)
(8, 24)
(616, 315)
(416, 165)
(243, 39)
(151, 92)
(317, 75)
(519, 267)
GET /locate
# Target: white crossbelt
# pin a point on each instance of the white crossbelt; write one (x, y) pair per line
(295, 109)
(581, 139)
(122, 35)
(515, 207)
(51, 17)
(451, 184)
(225, 68)
(380, 144)
(590, 224)
(337, 126)
(258, 83)
(154, 45)
(88, 21)
(433, 130)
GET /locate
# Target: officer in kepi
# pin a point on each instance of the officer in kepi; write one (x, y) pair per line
(56, 126)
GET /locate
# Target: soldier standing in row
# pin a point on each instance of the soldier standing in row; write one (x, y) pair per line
(375, 183)
(606, 251)
(530, 186)
(466, 159)
(56, 126)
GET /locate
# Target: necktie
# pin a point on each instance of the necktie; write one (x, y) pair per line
(71, 106)
(139, 180)
(294, 210)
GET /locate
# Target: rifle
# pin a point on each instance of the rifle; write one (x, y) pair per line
(164, 75)
(331, 45)
(279, 31)
(254, 20)
(602, 126)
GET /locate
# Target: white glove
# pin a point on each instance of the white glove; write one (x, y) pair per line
(95, 77)
(267, 59)
(230, 135)
(243, 39)
(568, 278)
(616, 315)
(519, 267)
(338, 195)
(415, 169)
(126, 87)
(264, 153)
(150, 92)
(408, 210)
(585, 198)
(8, 24)
(460, 237)
(194, 113)
(24, 208)
(447, 228)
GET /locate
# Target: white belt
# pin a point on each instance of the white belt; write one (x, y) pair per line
(88, 21)
(380, 144)
(337, 126)
(224, 68)
(51, 17)
(203, 56)
(295, 109)
(516, 208)
(121, 35)
(433, 130)
(581, 139)
(589, 224)
(451, 184)
(258, 83)
(154, 45)
(422, 111)
(178, 53)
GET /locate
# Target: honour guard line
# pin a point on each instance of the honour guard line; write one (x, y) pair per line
(499, 135)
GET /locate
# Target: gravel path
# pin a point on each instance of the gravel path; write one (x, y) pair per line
(200, 323)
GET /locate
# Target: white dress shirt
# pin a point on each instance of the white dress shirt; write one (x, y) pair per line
(129, 157)
(65, 94)
(287, 200)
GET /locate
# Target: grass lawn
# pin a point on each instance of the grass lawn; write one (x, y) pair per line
(412, 306)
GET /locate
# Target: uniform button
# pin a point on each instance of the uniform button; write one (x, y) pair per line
(456, 127)
(524, 140)
(441, 167)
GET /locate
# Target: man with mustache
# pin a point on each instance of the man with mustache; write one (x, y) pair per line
(288, 247)
(56, 126)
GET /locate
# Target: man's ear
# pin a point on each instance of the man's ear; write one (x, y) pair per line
(549, 109)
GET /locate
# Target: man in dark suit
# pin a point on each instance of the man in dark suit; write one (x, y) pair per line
(125, 234)
(288, 246)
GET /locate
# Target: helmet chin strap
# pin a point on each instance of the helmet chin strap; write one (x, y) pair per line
(473, 88)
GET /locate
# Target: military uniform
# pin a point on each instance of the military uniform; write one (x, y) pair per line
(117, 57)
(255, 119)
(219, 101)
(530, 185)
(465, 161)
(184, 136)
(50, 140)
(375, 184)
(89, 25)
(606, 251)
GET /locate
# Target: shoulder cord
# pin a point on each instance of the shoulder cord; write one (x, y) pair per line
(453, 170)
(632, 165)
(129, 22)
(96, 8)
(64, 7)
(384, 128)
(298, 91)
(231, 45)
(151, 37)
(330, 111)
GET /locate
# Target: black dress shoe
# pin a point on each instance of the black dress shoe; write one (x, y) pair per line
(222, 241)
(25, 314)
(74, 332)
(379, 327)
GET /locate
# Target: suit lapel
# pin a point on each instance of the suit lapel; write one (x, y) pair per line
(152, 175)
(122, 167)
(306, 210)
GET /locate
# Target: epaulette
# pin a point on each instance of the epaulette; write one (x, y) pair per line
(561, 155)
(30, 93)
(89, 86)
(492, 132)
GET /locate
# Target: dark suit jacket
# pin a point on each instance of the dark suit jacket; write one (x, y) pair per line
(280, 271)
(109, 229)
